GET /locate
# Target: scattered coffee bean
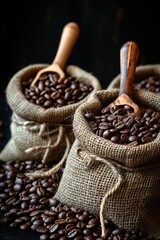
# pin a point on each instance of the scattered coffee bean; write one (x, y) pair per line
(121, 126)
(52, 219)
(50, 92)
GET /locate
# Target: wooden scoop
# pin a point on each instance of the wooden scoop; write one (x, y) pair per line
(128, 60)
(68, 39)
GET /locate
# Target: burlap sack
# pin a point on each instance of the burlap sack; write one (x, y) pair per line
(118, 182)
(142, 72)
(38, 133)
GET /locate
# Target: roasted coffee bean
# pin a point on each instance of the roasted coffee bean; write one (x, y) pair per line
(18, 187)
(55, 236)
(53, 202)
(40, 191)
(121, 126)
(79, 238)
(44, 237)
(61, 221)
(115, 139)
(74, 233)
(133, 138)
(34, 218)
(81, 225)
(4, 196)
(65, 238)
(42, 229)
(20, 221)
(25, 227)
(83, 218)
(34, 213)
(89, 237)
(87, 231)
(10, 201)
(15, 225)
(50, 92)
(54, 228)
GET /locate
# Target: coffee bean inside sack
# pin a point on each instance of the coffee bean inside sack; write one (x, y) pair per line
(51, 92)
(39, 132)
(27, 204)
(120, 125)
(151, 83)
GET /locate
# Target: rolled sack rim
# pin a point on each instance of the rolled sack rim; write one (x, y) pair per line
(142, 71)
(105, 148)
(38, 112)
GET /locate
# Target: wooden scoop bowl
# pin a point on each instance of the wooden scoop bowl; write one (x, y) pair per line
(68, 39)
(128, 60)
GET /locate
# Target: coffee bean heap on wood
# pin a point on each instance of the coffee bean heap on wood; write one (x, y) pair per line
(121, 126)
(28, 204)
(50, 92)
(152, 84)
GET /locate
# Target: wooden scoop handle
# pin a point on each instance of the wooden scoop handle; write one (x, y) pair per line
(128, 60)
(68, 39)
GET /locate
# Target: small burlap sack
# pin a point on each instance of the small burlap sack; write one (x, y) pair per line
(118, 182)
(142, 72)
(38, 133)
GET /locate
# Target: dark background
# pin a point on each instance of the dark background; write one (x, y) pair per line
(30, 33)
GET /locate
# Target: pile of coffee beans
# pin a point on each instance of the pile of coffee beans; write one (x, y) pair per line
(28, 204)
(120, 125)
(50, 91)
(151, 83)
